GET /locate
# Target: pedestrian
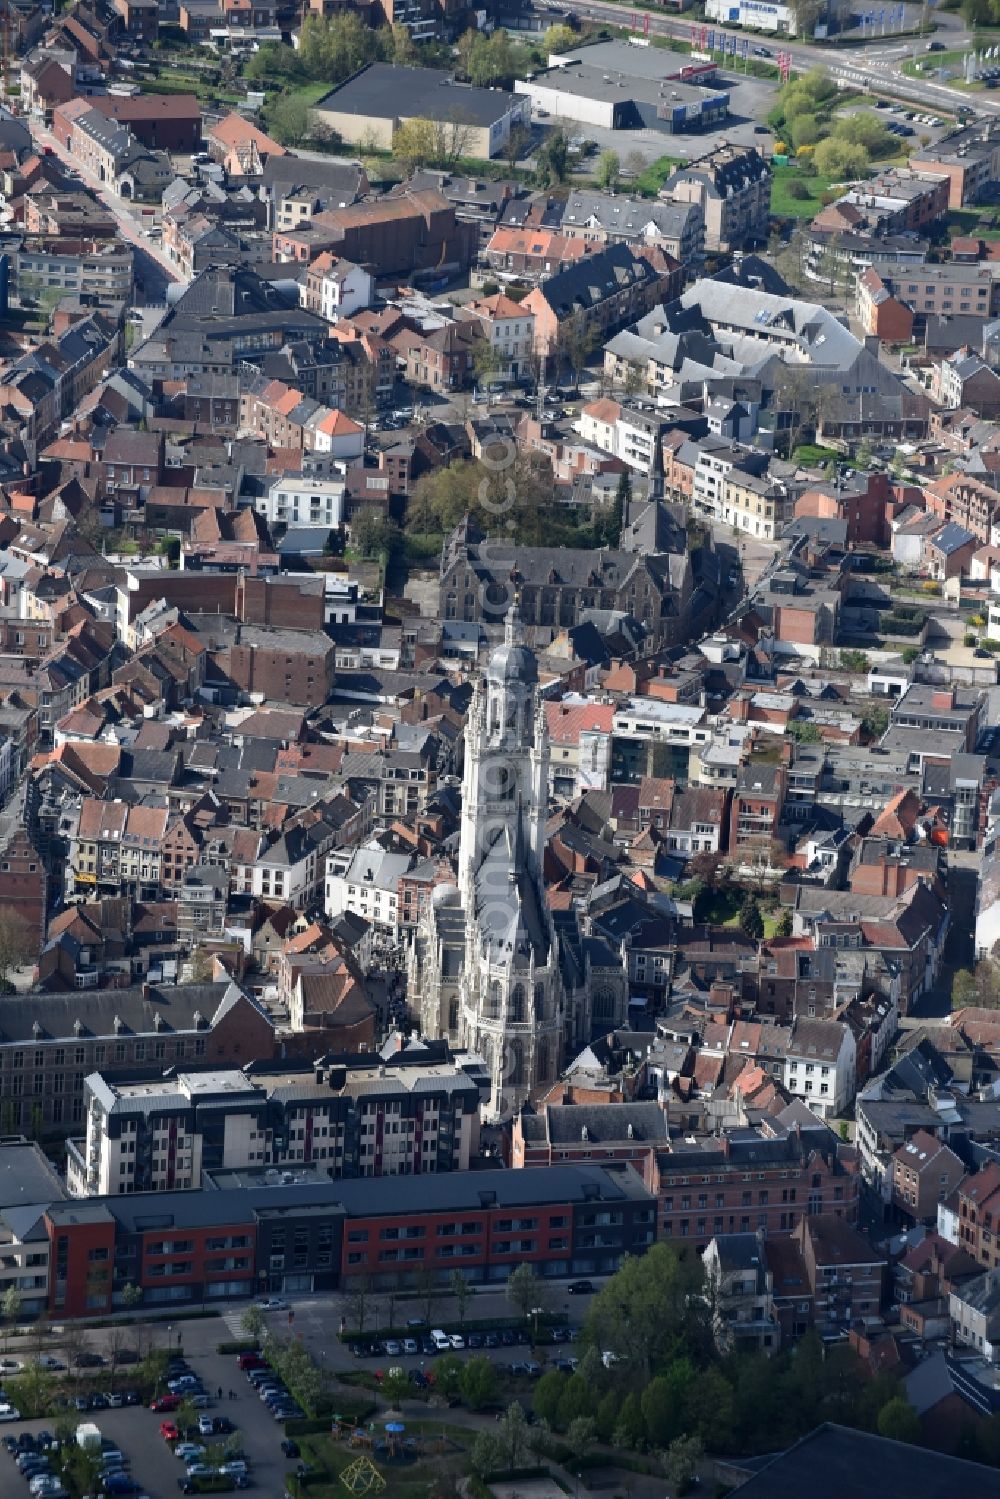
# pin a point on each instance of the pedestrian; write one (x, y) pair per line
(219, 1396)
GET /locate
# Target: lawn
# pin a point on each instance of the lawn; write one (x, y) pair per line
(811, 452)
(720, 907)
(784, 205)
(976, 223)
(649, 182)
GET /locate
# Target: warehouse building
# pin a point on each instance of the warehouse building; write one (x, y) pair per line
(373, 104)
(589, 94)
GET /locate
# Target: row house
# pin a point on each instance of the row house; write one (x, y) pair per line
(285, 418)
(117, 847)
(336, 288)
(532, 254)
(763, 1178)
(46, 1054)
(967, 501)
(510, 332)
(611, 288)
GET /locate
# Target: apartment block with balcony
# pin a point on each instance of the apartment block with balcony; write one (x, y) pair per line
(357, 1118)
(745, 1320)
(846, 1275)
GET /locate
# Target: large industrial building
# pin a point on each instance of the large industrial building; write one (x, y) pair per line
(373, 104)
(616, 86)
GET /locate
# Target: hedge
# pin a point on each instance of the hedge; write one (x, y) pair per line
(239, 1345)
(484, 1324)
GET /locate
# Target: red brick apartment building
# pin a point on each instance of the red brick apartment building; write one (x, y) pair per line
(250, 1235)
(163, 122)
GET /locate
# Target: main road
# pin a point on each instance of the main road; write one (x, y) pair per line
(876, 65)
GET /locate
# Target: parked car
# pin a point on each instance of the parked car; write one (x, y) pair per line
(290, 1448)
(581, 1288)
(165, 1403)
(168, 1431)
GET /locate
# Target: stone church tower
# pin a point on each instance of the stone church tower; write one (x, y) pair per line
(489, 969)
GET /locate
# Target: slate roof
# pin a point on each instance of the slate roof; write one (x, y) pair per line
(595, 279)
(384, 91)
(833, 1461)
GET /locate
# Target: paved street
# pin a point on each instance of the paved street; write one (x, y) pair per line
(876, 65)
(154, 270)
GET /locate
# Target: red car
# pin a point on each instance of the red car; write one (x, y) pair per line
(168, 1431)
(165, 1403)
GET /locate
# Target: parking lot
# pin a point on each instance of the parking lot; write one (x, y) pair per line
(135, 1430)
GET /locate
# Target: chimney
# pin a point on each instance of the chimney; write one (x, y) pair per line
(787, 748)
(145, 991)
(944, 699)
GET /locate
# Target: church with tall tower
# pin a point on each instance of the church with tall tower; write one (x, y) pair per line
(492, 968)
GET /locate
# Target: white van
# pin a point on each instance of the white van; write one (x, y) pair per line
(441, 1340)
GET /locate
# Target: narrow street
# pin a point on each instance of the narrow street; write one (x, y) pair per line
(154, 270)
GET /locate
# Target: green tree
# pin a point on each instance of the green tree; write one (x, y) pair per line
(395, 1385)
(681, 1462)
(11, 1309)
(31, 1391)
(404, 49)
(514, 1435)
(186, 1415)
(650, 1312)
(581, 1434)
(478, 1383)
(664, 1403)
(750, 919)
(253, 1323)
(806, 131)
(577, 1400)
(629, 1432)
(448, 1375)
(840, 159)
(547, 1395)
(15, 942)
(875, 721)
(606, 1418)
(289, 119)
(713, 1409)
(552, 159)
(524, 1290)
(487, 1455)
(374, 535)
(898, 1421)
(609, 171)
(963, 990)
(462, 1292)
(488, 364)
(783, 926)
(415, 144)
(558, 39)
